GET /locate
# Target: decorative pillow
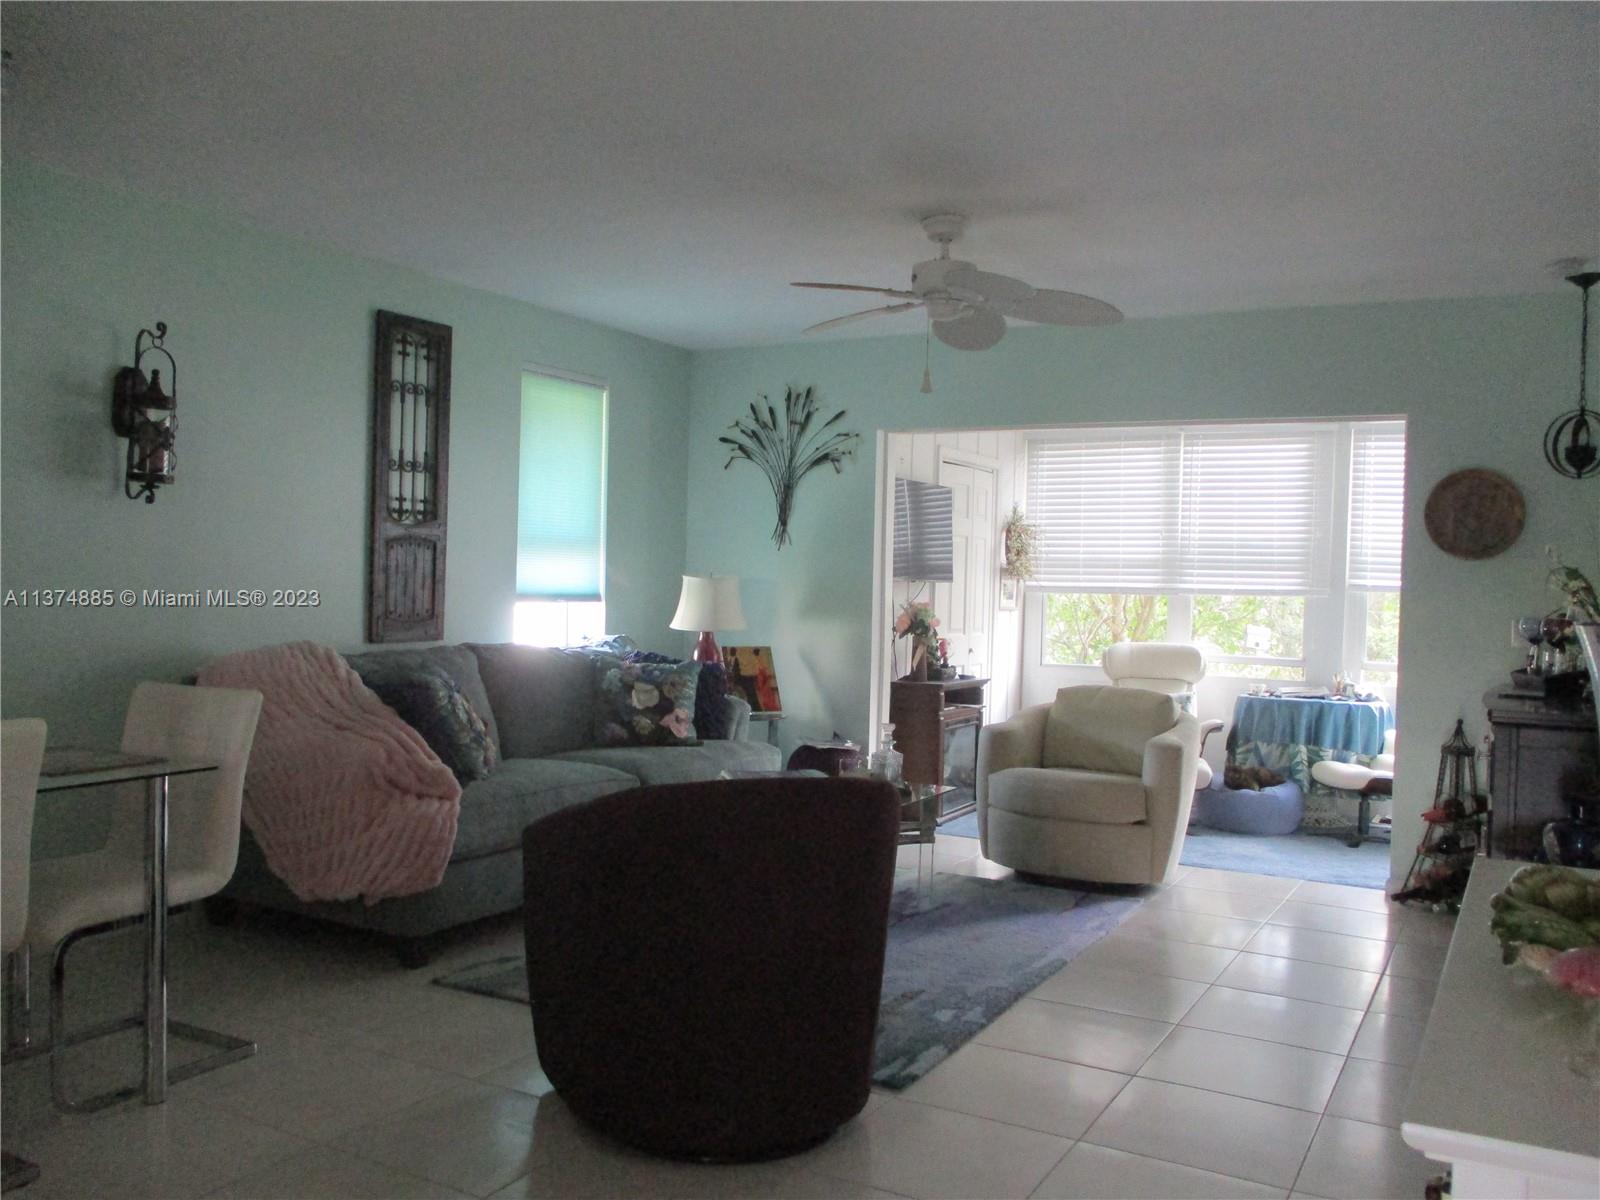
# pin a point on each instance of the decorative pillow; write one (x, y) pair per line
(645, 704)
(430, 702)
(1098, 728)
(710, 694)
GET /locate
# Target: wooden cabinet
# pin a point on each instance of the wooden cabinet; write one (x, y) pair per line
(936, 728)
(1543, 755)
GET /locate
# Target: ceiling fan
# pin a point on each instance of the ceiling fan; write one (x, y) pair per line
(967, 308)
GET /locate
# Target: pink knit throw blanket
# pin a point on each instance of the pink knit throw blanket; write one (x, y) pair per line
(344, 798)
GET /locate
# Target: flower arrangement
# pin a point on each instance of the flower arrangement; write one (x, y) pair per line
(1019, 538)
(918, 622)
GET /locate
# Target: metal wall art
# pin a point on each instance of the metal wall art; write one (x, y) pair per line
(789, 449)
(410, 473)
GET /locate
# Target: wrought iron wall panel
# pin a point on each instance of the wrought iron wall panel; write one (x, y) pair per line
(410, 472)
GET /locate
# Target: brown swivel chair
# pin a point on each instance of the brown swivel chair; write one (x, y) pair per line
(705, 959)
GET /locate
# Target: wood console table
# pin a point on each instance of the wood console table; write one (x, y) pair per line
(936, 728)
(1543, 754)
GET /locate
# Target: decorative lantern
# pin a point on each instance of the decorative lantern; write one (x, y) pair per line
(147, 417)
(1457, 788)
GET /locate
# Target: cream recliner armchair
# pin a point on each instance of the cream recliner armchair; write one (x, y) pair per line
(1171, 667)
(1095, 786)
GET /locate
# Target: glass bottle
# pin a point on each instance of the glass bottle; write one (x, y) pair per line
(886, 762)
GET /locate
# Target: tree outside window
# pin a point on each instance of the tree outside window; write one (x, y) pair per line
(1251, 627)
(1079, 626)
(1381, 655)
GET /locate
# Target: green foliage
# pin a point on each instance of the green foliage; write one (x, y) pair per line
(1574, 585)
(1260, 626)
(1383, 627)
(1078, 626)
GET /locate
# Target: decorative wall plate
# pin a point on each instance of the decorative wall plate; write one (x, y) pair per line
(1476, 513)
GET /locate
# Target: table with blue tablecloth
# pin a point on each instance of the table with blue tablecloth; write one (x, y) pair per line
(1288, 734)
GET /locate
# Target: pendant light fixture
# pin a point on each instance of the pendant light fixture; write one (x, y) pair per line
(1570, 441)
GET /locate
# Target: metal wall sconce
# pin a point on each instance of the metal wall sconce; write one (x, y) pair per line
(1569, 442)
(147, 417)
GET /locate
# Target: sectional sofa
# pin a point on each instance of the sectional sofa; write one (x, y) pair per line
(539, 709)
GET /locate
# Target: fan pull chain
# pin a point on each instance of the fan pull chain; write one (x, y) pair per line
(927, 376)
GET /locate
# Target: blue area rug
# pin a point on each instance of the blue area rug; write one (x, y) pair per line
(1294, 856)
(964, 951)
(961, 951)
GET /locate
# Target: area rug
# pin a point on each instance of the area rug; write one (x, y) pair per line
(1294, 855)
(961, 951)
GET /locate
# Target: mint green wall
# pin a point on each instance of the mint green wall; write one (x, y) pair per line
(273, 340)
(1478, 379)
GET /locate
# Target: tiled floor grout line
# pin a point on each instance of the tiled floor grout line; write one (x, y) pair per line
(357, 1043)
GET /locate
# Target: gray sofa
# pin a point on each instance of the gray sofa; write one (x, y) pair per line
(538, 706)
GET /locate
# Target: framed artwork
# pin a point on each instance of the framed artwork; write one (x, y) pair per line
(1010, 593)
(752, 678)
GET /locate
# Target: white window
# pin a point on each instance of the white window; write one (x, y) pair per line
(560, 512)
(1377, 518)
(1228, 536)
(1201, 510)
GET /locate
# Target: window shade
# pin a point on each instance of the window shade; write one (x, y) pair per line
(1255, 510)
(561, 489)
(1207, 509)
(1105, 503)
(1377, 505)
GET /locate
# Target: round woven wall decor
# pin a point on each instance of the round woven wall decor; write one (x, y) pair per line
(1476, 513)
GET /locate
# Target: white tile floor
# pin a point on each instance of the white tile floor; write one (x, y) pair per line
(1239, 1036)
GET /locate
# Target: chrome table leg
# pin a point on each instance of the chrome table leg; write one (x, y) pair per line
(155, 942)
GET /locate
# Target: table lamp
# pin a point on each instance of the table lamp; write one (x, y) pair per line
(707, 603)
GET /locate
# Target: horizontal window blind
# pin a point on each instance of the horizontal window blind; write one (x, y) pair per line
(1202, 510)
(561, 489)
(1255, 509)
(1377, 505)
(1105, 506)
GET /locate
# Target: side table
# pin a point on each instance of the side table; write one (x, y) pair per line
(770, 720)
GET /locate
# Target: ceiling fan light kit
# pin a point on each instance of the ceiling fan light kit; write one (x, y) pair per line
(967, 308)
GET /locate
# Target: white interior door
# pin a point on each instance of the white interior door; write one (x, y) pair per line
(966, 604)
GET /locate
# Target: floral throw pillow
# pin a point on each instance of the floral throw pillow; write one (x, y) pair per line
(432, 704)
(645, 704)
(710, 694)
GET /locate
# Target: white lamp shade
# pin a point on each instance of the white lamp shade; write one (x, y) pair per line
(709, 602)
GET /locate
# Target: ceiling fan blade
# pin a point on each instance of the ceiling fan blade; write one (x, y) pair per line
(1050, 307)
(995, 289)
(977, 330)
(856, 316)
(860, 287)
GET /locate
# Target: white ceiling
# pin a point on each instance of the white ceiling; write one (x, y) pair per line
(668, 169)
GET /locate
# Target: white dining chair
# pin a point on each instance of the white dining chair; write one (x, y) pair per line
(21, 753)
(87, 894)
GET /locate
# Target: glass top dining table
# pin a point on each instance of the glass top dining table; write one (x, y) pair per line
(68, 768)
